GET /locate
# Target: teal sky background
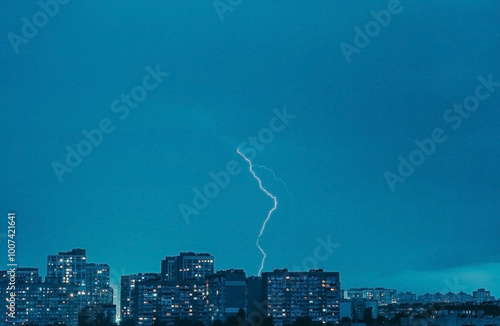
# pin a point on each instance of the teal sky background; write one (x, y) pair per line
(439, 227)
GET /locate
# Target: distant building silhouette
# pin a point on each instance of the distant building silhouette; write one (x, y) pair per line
(481, 295)
(381, 295)
(406, 297)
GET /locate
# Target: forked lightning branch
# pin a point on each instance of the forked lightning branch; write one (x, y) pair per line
(275, 200)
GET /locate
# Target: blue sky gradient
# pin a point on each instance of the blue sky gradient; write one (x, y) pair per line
(353, 120)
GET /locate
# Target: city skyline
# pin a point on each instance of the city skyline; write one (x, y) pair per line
(448, 287)
(76, 291)
(138, 130)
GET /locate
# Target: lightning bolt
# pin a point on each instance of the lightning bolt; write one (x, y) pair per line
(268, 214)
(275, 177)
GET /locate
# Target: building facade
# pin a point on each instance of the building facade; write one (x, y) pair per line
(67, 267)
(255, 302)
(381, 295)
(129, 304)
(226, 293)
(359, 307)
(481, 295)
(37, 302)
(168, 301)
(92, 280)
(97, 284)
(145, 298)
(290, 295)
(187, 266)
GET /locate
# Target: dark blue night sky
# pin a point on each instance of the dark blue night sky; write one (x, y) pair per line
(421, 95)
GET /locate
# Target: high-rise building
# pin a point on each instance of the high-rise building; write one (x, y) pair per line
(37, 302)
(67, 267)
(97, 283)
(169, 269)
(91, 280)
(256, 303)
(177, 292)
(183, 300)
(187, 266)
(25, 275)
(167, 301)
(360, 306)
(148, 303)
(127, 296)
(61, 303)
(25, 287)
(481, 295)
(226, 293)
(145, 299)
(195, 266)
(129, 293)
(289, 295)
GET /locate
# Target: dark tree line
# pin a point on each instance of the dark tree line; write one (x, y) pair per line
(100, 320)
(58, 323)
(177, 322)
